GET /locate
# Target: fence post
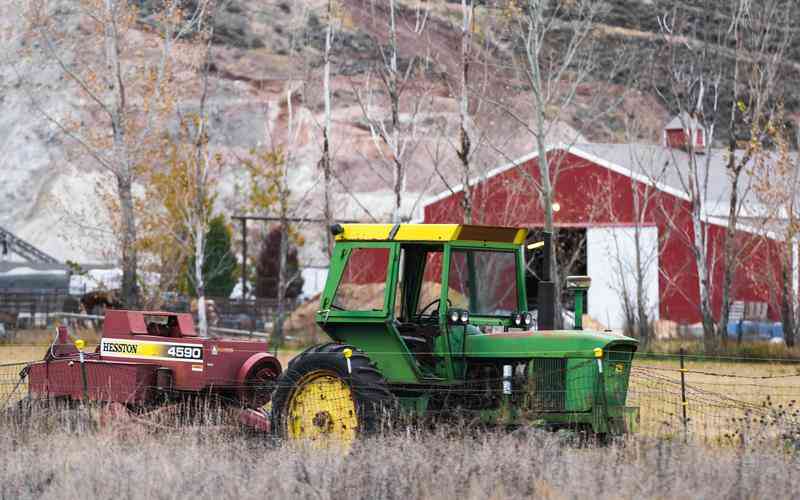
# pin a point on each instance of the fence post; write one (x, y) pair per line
(683, 396)
(80, 344)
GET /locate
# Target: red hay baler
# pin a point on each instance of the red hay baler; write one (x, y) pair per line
(150, 358)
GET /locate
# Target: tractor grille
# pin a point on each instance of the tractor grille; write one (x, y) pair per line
(617, 374)
(549, 384)
(620, 355)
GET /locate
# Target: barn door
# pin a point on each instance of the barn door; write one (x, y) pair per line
(611, 262)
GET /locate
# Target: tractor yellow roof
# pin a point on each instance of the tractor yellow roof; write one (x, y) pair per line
(431, 232)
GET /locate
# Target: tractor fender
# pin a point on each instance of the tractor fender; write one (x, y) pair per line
(249, 367)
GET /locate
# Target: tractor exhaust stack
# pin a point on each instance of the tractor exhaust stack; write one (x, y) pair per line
(547, 289)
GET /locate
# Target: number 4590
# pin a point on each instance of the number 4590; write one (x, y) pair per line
(185, 352)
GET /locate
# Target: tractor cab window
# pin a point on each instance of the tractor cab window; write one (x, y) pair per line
(420, 285)
(417, 302)
(363, 281)
(483, 281)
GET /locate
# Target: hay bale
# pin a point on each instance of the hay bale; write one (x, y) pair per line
(592, 324)
(664, 329)
(301, 323)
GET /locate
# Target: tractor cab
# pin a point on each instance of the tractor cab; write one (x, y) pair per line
(412, 292)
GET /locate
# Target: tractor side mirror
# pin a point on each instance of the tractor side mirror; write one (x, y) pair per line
(458, 317)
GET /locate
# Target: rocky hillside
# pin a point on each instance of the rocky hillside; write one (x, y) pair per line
(262, 49)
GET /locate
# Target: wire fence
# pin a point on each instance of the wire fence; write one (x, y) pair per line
(20, 309)
(678, 397)
(13, 383)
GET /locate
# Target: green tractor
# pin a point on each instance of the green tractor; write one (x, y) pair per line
(432, 320)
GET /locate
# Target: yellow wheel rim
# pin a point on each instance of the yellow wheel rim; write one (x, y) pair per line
(322, 410)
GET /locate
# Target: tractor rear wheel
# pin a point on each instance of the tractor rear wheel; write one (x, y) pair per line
(320, 399)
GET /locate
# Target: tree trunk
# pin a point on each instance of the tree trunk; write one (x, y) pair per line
(730, 253)
(547, 202)
(465, 148)
(545, 186)
(129, 292)
(699, 240)
(199, 260)
(788, 298)
(642, 321)
(327, 212)
(277, 329)
(701, 262)
(326, 162)
(394, 97)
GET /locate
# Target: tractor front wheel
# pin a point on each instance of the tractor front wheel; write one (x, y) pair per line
(326, 400)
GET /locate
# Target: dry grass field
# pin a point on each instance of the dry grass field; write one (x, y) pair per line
(78, 453)
(64, 460)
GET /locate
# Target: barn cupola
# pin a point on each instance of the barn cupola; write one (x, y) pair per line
(685, 130)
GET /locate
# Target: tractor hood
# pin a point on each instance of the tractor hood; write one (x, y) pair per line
(544, 344)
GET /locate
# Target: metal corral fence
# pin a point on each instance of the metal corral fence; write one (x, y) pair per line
(34, 308)
(249, 314)
(716, 400)
(39, 308)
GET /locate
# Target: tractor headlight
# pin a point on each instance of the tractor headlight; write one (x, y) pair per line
(527, 320)
(522, 320)
(454, 316)
(458, 316)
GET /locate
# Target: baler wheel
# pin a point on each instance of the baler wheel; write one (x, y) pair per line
(260, 386)
(318, 399)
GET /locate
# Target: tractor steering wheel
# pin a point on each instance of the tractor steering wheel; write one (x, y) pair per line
(425, 309)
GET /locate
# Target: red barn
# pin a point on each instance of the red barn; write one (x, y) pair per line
(678, 132)
(614, 198)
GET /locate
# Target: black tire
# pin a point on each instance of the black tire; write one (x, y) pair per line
(374, 402)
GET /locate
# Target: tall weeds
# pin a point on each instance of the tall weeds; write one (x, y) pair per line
(66, 453)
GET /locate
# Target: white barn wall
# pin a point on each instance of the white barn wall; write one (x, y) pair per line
(611, 253)
(313, 280)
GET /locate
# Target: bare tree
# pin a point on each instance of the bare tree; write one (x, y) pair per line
(700, 78)
(270, 193)
(326, 161)
(130, 97)
(465, 149)
(761, 37)
(395, 139)
(634, 274)
(196, 211)
(470, 138)
(777, 187)
(553, 75)
(270, 164)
